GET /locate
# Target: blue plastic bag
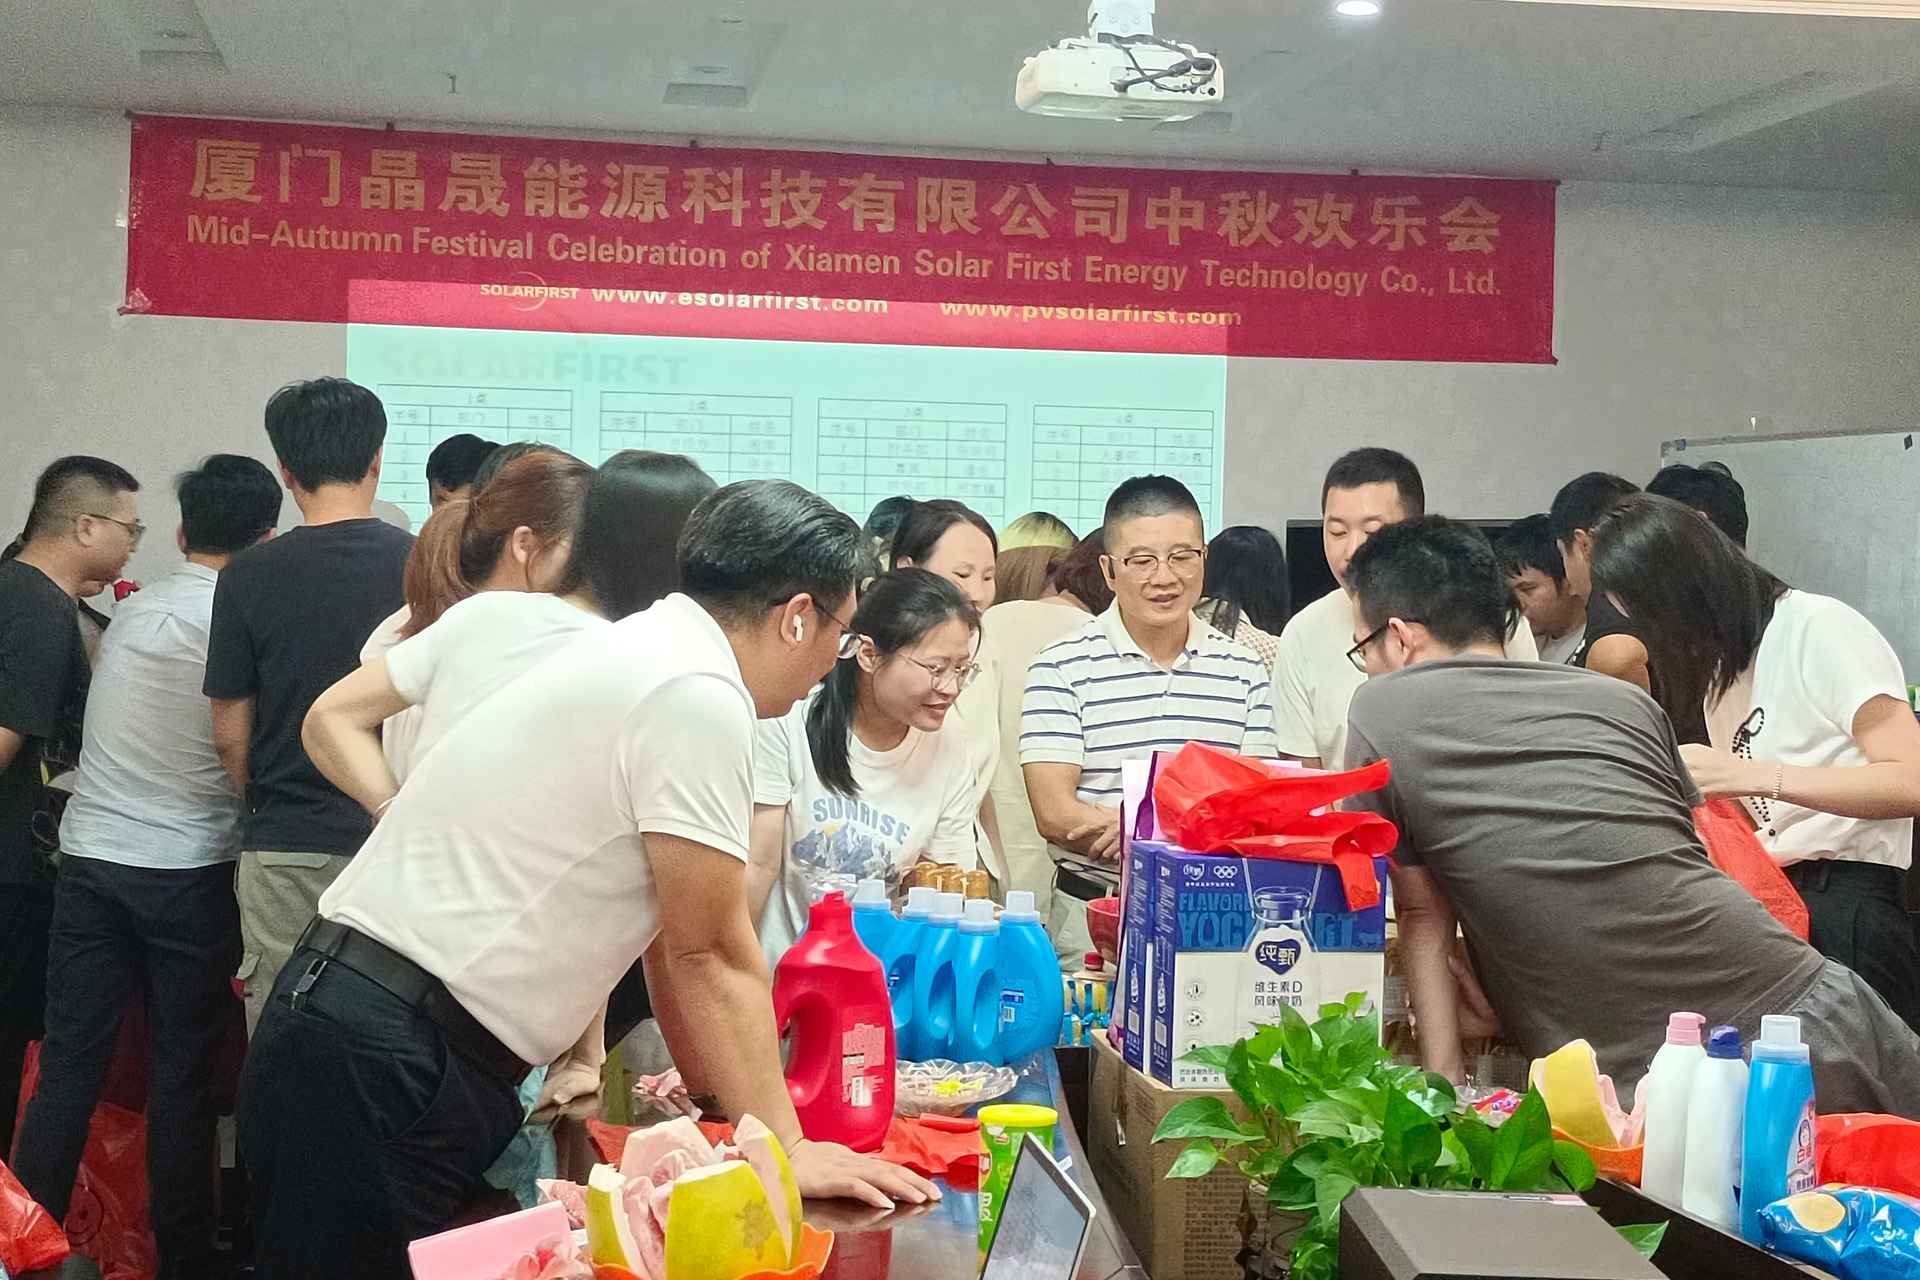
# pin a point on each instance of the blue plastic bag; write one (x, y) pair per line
(1857, 1233)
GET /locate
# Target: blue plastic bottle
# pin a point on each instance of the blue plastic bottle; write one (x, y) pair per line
(931, 1033)
(1777, 1157)
(976, 986)
(1033, 997)
(900, 958)
(873, 919)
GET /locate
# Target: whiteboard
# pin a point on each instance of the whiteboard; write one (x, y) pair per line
(1836, 514)
(1005, 431)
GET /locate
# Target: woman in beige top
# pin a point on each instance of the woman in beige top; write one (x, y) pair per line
(1247, 596)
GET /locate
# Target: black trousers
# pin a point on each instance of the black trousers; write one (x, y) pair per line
(173, 938)
(25, 912)
(362, 1129)
(1856, 916)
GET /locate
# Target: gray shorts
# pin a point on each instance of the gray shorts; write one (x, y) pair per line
(1864, 1057)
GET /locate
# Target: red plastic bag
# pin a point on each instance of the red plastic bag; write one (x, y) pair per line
(1865, 1150)
(107, 1218)
(29, 1237)
(1728, 835)
(1213, 801)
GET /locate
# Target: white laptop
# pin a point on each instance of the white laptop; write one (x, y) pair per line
(1044, 1222)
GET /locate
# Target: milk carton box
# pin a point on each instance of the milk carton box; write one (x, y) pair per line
(1236, 938)
(1136, 913)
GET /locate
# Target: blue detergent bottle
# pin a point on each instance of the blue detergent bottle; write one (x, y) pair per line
(899, 960)
(1033, 998)
(976, 986)
(930, 1034)
(1777, 1156)
(873, 920)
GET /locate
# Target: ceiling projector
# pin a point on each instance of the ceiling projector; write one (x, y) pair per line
(1120, 70)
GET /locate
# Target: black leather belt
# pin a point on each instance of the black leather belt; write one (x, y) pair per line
(408, 983)
(1816, 874)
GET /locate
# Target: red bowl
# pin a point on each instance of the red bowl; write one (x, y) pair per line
(1103, 926)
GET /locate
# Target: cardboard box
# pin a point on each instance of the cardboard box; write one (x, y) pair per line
(1236, 938)
(1391, 1234)
(1136, 915)
(1190, 1229)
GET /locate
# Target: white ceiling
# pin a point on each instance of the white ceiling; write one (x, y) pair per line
(1478, 86)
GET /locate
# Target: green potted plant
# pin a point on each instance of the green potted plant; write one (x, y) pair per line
(1329, 1110)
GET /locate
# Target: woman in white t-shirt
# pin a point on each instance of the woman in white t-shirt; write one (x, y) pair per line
(955, 541)
(860, 780)
(495, 592)
(1807, 710)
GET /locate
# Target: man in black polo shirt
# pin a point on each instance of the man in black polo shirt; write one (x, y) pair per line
(289, 617)
(84, 523)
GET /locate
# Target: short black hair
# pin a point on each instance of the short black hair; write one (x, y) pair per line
(1527, 544)
(72, 487)
(1147, 496)
(227, 503)
(1378, 466)
(501, 454)
(1583, 500)
(455, 461)
(758, 543)
(326, 431)
(1435, 571)
(1711, 490)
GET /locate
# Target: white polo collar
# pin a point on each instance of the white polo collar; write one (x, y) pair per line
(1124, 644)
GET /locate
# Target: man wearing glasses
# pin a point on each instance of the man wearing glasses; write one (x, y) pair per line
(84, 523)
(1144, 676)
(1558, 834)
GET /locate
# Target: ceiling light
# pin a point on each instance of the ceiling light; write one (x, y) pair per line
(1358, 8)
(1807, 8)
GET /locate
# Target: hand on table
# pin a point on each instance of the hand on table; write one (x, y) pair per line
(1721, 775)
(828, 1171)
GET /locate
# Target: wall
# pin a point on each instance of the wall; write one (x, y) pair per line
(1680, 311)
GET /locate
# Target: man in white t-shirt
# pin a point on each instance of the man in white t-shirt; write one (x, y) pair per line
(593, 809)
(1313, 680)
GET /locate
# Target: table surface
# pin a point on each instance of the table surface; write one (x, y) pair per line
(941, 1242)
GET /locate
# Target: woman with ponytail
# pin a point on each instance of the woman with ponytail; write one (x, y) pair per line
(545, 550)
(859, 781)
(513, 535)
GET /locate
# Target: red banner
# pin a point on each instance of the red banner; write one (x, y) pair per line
(258, 220)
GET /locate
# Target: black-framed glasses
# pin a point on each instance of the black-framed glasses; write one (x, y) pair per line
(1358, 654)
(1184, 561)
(135, 530)
(849, 638)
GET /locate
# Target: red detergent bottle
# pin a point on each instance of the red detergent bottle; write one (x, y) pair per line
(830, 995)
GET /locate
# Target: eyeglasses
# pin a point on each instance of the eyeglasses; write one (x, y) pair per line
(961, 676)
(1184, 561)
(1358, 654)
(135, 530)
(849, 638)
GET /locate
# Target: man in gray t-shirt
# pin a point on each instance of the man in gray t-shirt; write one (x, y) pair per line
(1546, 811)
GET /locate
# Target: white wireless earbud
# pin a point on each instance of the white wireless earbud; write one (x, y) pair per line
(799, 630)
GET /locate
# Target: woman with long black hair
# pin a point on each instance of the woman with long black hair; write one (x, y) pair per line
(860, 781)
(1807, 713)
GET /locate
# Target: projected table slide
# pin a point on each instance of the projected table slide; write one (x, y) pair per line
(1004, 431)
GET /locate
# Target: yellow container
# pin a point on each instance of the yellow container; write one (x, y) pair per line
(1003, 1127)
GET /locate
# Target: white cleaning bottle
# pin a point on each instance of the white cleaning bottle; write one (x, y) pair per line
(1666, 1092)
(1716, 1111)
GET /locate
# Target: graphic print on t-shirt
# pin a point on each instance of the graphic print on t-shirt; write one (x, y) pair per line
(851, 839)
(1743, 747)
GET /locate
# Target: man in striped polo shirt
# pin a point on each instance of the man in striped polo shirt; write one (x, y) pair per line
(1144, 676)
